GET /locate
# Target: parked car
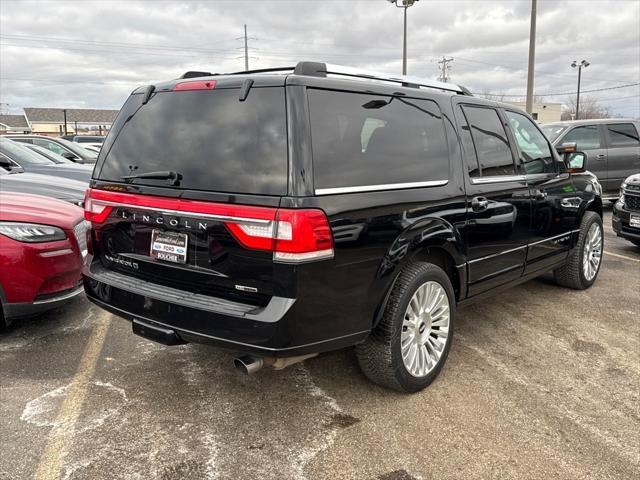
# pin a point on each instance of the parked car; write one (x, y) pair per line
(90, 142)
(611, 146)
(328, 207)
(626, 211)
(15, 155)
(54, 157)
(42, 243)
(70, 150)
(47, 185)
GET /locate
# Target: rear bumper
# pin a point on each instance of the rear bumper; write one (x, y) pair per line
(277, 329)
(620, 222)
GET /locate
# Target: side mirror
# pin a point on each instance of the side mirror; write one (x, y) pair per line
(576, 162)
(69, 156)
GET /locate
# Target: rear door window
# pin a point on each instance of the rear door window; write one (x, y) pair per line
(623, 135)
(370, 142)
(216, 142)
(494, 156)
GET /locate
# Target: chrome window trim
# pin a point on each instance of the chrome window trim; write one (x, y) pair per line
(381, 187)
(498, 179)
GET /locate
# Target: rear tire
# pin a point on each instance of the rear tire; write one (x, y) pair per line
(409, 347)
(584, 261)
(3, 322)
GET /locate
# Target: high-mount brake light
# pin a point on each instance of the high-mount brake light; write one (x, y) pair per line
(194, 85)
(293, 235)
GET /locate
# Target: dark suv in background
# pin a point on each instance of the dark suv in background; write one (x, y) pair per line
(626, 211)
(611, 147)
(293, 211)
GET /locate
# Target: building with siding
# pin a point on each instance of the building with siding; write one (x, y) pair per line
(69, 121)
(14, 124)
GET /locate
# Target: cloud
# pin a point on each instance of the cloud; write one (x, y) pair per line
(106, 49)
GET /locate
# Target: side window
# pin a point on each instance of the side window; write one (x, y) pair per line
(535, 151)
(587, 137)
(623, 135)
(490, 142)
(54, 147)
(362, 140)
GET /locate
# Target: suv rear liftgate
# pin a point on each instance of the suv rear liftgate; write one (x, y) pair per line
(189, 240)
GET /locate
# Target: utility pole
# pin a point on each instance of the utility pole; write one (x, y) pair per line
(444, 68)
(246, 50)
(532, 56)
(64, 113)
(575, 64)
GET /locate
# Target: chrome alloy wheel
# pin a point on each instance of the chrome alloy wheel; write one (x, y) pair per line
(425, 329)
(592, 253)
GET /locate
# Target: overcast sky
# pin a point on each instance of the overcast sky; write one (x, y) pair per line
(91, 54)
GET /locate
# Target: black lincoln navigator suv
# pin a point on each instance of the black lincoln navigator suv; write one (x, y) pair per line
(288, 212)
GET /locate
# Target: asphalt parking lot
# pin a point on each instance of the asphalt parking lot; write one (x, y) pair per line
(541, 382)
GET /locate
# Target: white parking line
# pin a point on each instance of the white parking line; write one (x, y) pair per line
(622, 256)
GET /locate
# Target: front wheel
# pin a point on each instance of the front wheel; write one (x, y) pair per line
(409, 347)
(584, 261)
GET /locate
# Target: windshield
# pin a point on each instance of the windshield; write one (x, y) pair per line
(21, 154)
(213, 140)
(77, 149)
(53, 156)
(553, 131)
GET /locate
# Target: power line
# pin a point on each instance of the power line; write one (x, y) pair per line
(561, 93)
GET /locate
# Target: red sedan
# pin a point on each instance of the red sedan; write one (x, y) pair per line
(42, 245)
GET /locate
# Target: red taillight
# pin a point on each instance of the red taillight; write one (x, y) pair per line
(194, 85)
(293, 235)
(95, 210)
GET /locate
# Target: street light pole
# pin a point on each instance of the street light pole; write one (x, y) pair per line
(532, 57)
(404, 43)
(575, 64)
(404, 4)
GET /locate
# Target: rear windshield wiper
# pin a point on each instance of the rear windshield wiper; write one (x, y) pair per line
(172, 177)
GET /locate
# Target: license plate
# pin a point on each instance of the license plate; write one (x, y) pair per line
(634, 221)
(169, 246)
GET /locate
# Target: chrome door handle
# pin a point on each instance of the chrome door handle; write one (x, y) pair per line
(479, 203)
(601, 155)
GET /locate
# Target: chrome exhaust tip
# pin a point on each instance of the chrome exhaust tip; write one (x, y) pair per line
(248, 364)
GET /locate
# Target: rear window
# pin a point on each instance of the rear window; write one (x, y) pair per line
(623, 135)
(213, 140)
(361, 140)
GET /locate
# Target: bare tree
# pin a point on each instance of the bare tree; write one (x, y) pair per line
(498, 97)
(589, 108)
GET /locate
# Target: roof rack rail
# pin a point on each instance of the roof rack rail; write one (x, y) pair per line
(319, 69)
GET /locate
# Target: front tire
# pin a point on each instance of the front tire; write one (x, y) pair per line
(584, 262)
(409, 347)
